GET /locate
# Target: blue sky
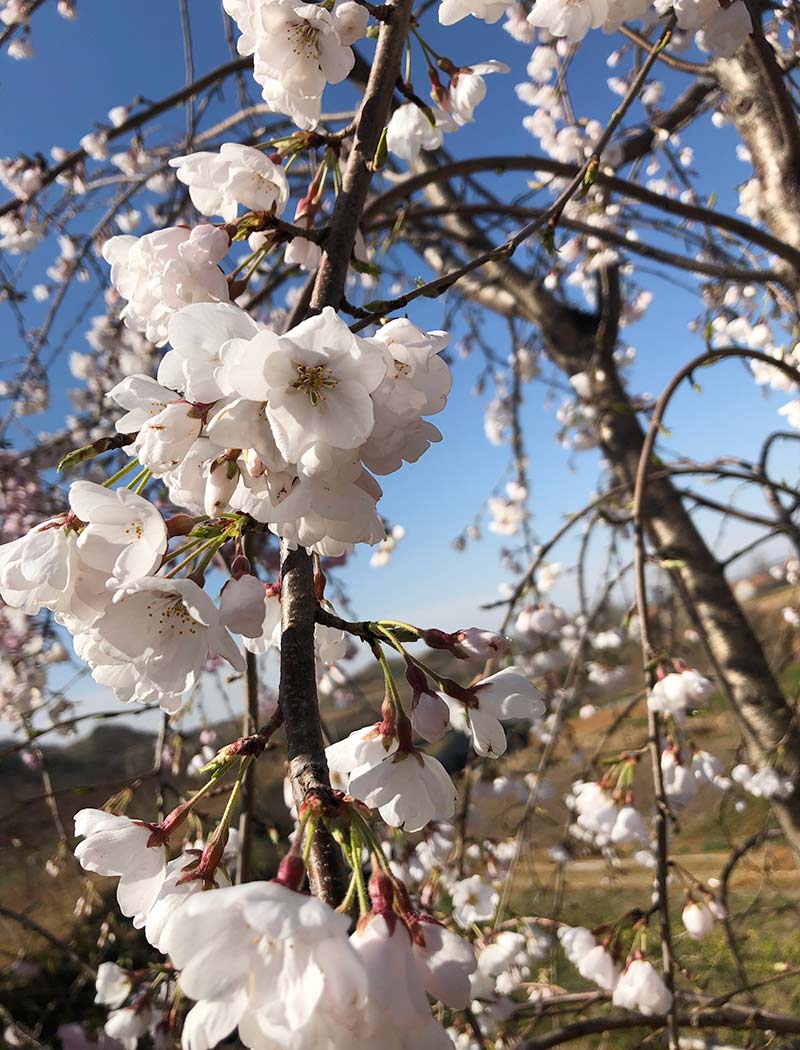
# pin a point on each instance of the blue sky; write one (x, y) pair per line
(116, 51)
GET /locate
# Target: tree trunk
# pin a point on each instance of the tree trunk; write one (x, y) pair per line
(576, 342)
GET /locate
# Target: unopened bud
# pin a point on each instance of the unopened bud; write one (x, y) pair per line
(179, 525)
(291, 871)
(209, 861)
(240, 566)
(436, 639)
(381, 891)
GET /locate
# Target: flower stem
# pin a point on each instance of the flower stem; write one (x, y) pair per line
(120, 473)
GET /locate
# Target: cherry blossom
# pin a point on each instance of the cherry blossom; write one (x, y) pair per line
(398, 1005)
(265, 958)
(199, 337)
(698, 919)
(572, 20)
(44, 570)
(452, 11)
(130, 1023)
(642, 988)
(112, 984)
(430, 716)
(507, 694)
(676, 693)
(125, 536)
(468, 89)
(408, 788)
(411, 130)
(297, 49)
(118, 846)
(173, 895)
(317, 381)
(473, 901)
(238, 175)
(163, 271)
(166, 629)
(445, 960)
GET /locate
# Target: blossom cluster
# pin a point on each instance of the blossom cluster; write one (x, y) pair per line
(285, 428)
(276, 963)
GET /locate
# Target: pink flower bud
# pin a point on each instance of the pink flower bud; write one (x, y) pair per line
(291, 871)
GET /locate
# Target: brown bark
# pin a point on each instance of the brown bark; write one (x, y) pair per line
(308, 769)
(758, 104)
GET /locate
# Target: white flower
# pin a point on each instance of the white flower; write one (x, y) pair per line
(576, 941)
(446, 962)
(327, 512)
(143, 398)
(242, 606)
(416, 384)
(642, 988)
(598, 965)
(409, 131)
(163, 271)
(95, 145)
(200, 336)
(507, 694)
(188, 482)
(112, 985)
(237, 423)
(164, 441)
(726, 30)
(680, 783)
(317, 381)
(167, 629)
(269, 635)
(571, 20)
(468, 89)
(118, 115)
(629, 827)
(452, 11)
(408, 788)
(125, 536)
(297, 49)
(237, 175)
(792, 412)
(173, 896)
(707, 767)
(363, 747)
(473, 901)
(118, 846)
(398, 1006)
(507, 949)
(259, 955)
(472, 643)
(597, 811)
(698, 919)
(676, 693)
(129, 1024)
(430, 716)
(302, 252)
(44, 570)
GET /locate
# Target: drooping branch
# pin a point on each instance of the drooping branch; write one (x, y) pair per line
(574, 341)
(426, 174)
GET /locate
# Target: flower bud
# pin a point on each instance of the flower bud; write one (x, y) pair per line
(474, 644)
(381, 892)
(291, 871)
(430, 716)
